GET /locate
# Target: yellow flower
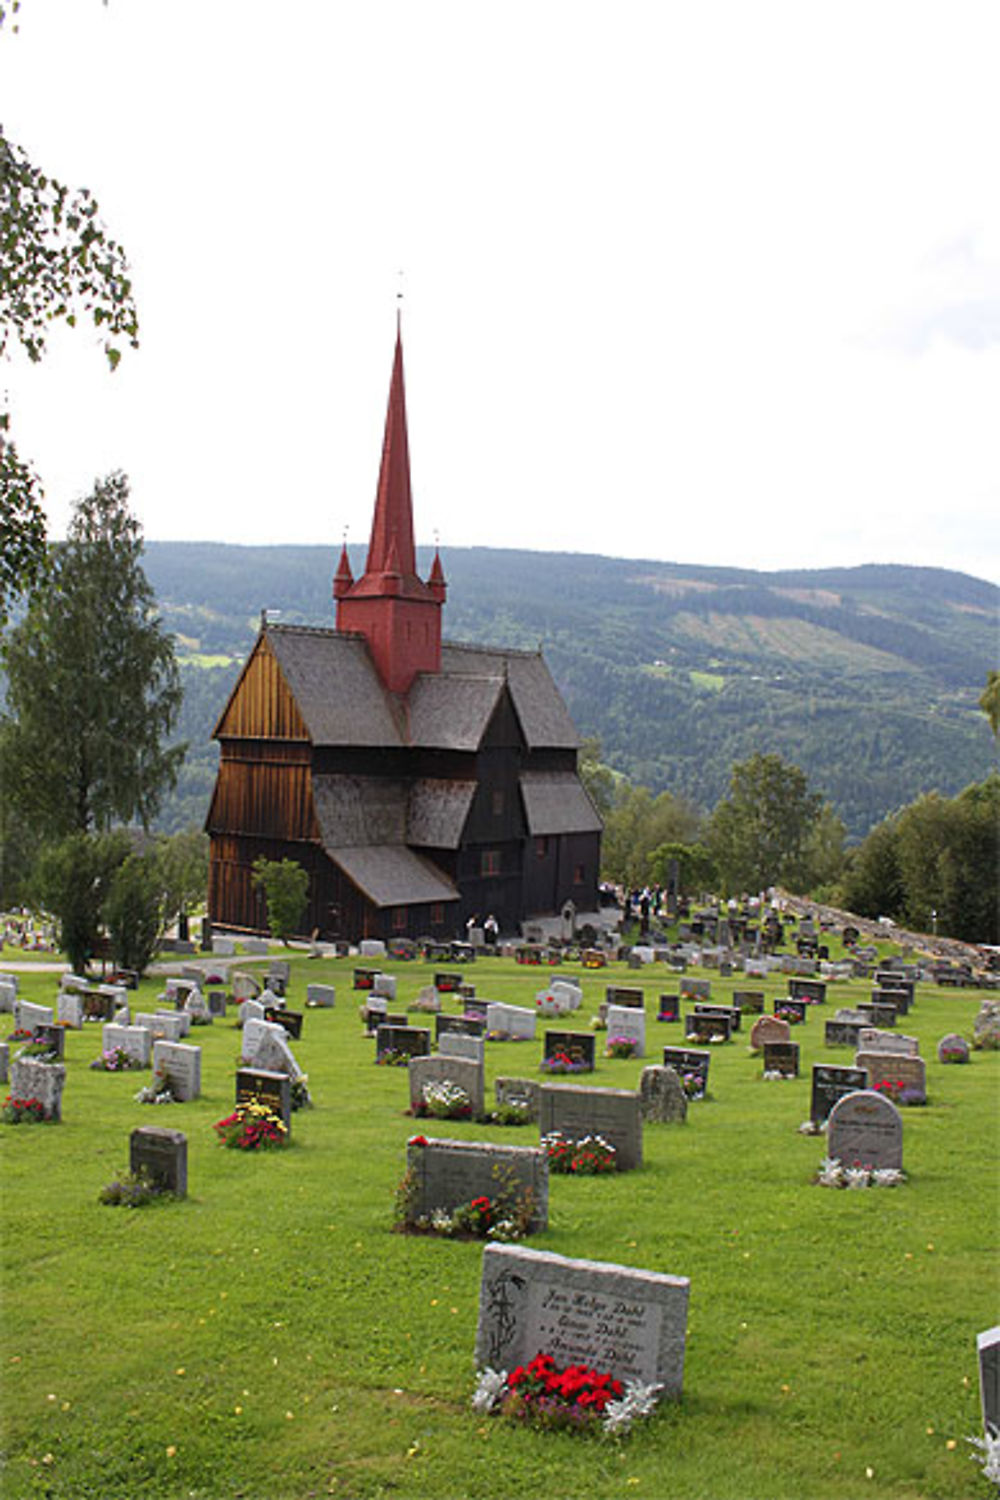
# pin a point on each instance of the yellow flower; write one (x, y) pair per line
(171, 1450)
(238, 1410)
(951, 1444)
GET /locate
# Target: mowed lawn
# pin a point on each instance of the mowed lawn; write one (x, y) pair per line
(271, 1336)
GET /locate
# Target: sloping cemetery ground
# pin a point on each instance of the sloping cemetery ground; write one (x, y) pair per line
(270, 1335)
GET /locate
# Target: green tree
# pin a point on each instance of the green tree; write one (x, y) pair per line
(760, 832)
(57, 263)
(598, 778)
(989, 701)
(637, 824)
(72, 880)
(93, 687)
(823, 852)
(132, 911)
(182, 859)
(872, 883)
(696, 869)
(286, 885)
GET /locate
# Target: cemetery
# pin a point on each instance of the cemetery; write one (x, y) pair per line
(280, 1329)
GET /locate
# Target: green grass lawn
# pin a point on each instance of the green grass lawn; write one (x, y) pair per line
(272, 1337)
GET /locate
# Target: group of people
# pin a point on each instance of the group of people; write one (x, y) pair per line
(490, 929)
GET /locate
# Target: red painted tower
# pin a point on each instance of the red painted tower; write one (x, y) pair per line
(398, 614)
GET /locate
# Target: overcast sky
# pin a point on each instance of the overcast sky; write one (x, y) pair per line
(702, 282)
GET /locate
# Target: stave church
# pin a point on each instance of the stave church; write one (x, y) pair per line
(420, 782)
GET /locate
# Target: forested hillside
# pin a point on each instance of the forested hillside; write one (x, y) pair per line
(866, 677)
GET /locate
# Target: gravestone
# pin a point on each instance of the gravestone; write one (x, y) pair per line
(661, 1096)
(953, 1049)
(578, 1046)
(731, 1012)
(510, 1020)
(986, 1026)
(31, 1079)
(873, 1040)
(181, 1065)
(448, 1174)
(575, 1112)
(616, 994)
(564, 985)
(631, 1323)
(669, 1008)
(686, 1062)
(551, 1002)
(458, 1026)
(414, 1041)
(27, 1016)
(4, 1061)
(877, 1015)
(255, 947)
(245, 987)
(813, 991)
(249, 1010)
(843, 1033)
(196, 1006)
(279, 973)
(782, 1057)
(223, 947)
(750, 1002)
(455, 1044)
(769, 1029)
(321, 995)
(626, 1022)
(135, 1041)
(866, 1130)
(441, 1068)
(8, 994)
(793, 1011)
(520, 1091)
(830, 1083)
(887, 995)
(364, 979)
(375, 1013)
(895, 1070)
(385, 985)
(180, 1019)
(447, 983)
(273, 1089)
(161, 1155)
(702, 1028)
(161, 1026)
(289, 1020)
(69, 1009)
(273, 1054)
(695, 989)
(988, 1351)
(372, 948)
(216, 1003)
(477, 1010)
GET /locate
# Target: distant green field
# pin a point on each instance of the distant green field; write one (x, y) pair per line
(272, 1337)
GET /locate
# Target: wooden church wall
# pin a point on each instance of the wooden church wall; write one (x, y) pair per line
(264, 791)
(262, 706)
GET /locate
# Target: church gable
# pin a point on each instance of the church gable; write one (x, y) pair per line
(261, 706)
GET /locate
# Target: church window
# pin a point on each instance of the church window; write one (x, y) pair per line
(578, 875)
(399, 919)
(489, 863)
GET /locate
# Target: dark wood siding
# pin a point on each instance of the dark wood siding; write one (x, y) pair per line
(261, 706)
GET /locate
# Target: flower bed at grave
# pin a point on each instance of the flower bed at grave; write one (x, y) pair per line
(953, 1055)
(393, 1057)
(511, 1113)
(156, 1092)
(588, 1157)
(833, 1173)
(23, 1111)
(116, 1060)
(621, 1046)
(133, 1190)
(443, 1101)
(899, 1093)
(574, 1397)
(505, 1217)
(251, 1127)
(40, 1050)
(773, 1073)
(561, 1062)
(693, 1085)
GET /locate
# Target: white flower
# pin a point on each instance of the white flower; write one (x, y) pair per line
(489, 1388)
(441, 1220)
(830, 1172)
(503, 1229)
(887, 1177)
(990, 1445)
(638, 1401)
(856, 1177)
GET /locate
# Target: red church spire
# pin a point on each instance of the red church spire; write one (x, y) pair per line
(392, 523)
(398, 613)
